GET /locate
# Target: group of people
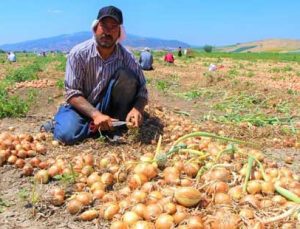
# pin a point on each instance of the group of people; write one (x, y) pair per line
(105, 86)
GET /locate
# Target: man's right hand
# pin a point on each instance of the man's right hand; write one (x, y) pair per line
(101, 121)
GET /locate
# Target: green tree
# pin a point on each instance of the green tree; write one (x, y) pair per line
(208, 48)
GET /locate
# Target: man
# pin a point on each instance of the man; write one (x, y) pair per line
(11, 57)
(103, 83)
(146, 59)
(169, 58)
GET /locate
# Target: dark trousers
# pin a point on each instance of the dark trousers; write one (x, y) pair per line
(118, 99)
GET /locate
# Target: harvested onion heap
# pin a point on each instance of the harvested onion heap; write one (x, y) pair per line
(198, 183)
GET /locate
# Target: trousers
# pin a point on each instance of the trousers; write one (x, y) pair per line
(118, 99)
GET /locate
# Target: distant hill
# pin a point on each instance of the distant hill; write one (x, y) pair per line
(270, 45)
(67, 41)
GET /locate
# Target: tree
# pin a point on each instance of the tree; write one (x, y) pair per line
(208, 48)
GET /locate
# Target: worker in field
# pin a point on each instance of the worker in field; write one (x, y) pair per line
(169, 58)
(104, 85)
(11, 57)
(146, 59)
(179, 52)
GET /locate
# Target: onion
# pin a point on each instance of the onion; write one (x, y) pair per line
(266, 203)
(109, 211)
(253, 187)
(279, 200)
(74, 206)
(104, 162)
(179, 165)
(130, 218)
(164, 221)
(195, 222)
(93, 178)
(97, 186)
(53, 171)
(27, 170)
(118, 225)
(57, 200)
(171, 175)
(246, 213)
(107, 178)
(148, 187)
(169, 208)
(186, 182)
(42, 176)
(78, 187)
(218, 186)
(225, 219)
(191, 169)
(114, 169)
(222, 198)
(220, 174)
(40, 148)
(139, 209)
(138, 196)
(143, 225)
(85, 198)
(12, 159)
(187, 196)
(22, 154)
(98, 194)
(137, 180)
(152, 211)
(267, 187)
(179, 216)
(154, 197)
(88, 159)
(89, 215)
(251, 199)
(43, 165)
(20, 163)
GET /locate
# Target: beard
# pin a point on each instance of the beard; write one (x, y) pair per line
(105, 41)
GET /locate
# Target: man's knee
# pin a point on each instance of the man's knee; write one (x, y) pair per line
(64, 134)
(126, 77)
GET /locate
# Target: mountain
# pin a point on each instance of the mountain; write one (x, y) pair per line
(269, 45)
(67, 41)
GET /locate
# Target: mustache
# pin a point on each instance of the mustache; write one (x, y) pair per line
(106, 36)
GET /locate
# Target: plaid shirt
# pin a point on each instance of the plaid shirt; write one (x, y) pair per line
(87, 74)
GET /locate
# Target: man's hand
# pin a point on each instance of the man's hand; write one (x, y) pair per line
(135, 117)
(101, 121)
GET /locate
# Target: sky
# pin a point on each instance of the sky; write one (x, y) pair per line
(196, 22)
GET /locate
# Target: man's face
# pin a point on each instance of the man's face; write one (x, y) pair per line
(107, 32)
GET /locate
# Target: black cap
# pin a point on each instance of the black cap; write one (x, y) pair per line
(111, 11)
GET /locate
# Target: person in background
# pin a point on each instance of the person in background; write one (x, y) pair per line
(169, 58)
(179, 52)
(146, 59)
(11, 57)
(104, 85)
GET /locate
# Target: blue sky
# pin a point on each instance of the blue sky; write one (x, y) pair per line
(197, 22)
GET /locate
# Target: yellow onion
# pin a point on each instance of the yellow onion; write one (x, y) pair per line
(88, 159)
(109, 210)
(148, 186)
(20, 163)
(220, 174)
(130, 218)
(218, 186)
(12, 159)
(137, 180)
(187, 196)
(40, 148)
(253, 187)
(138, 196)
(267, 187)
(43, 165)
(169, 208)
(104, 162)
(225, 219)
(179, 216)
(53, 171)
(97, 186)
(27, 170)
(93, 178)
(152, 211)
(279, 200)
(149, 170)
(222, 198)
(42, 176)
(74, 206)
(154, 197)
(98, 194)
(139, 209)
(195, 222)
(118, 225)
(89, 215)
(266, 203)
(85, 198)
(87, 170)
(143, 225)
(164, 221)
(246, 213)
(250, 199)
(191, 169)
(171, 175)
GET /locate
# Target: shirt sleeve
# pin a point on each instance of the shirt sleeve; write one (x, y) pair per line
(74, 76)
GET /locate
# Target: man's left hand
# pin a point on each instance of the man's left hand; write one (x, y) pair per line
(135, 117)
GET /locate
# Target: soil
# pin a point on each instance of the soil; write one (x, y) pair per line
(21, 213)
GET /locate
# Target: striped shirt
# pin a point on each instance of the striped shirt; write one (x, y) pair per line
(87, 74)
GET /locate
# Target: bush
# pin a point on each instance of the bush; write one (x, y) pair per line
(208, 48)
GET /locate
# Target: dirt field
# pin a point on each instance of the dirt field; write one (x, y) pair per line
(184, 97)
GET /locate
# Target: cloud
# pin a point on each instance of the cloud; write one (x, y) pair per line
(55, 11)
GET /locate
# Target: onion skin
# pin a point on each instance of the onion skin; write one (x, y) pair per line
(164, 221)
(89, 215)
(187, 196)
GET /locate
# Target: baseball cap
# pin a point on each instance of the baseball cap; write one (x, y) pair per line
(111, 11)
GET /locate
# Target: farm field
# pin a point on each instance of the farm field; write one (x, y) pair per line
(245, 149)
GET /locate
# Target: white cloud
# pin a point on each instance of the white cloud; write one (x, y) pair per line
(55, 11)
